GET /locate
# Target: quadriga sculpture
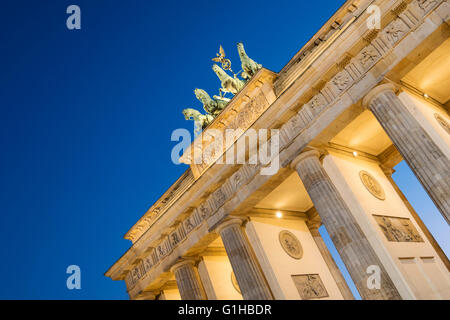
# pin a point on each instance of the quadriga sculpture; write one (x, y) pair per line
(212, 106)
(249, 66)
(201, 120)
(229, 84)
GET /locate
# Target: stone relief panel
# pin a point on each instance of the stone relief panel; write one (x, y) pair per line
(290, 244)
(367, 57)
(372, 185)
(174, 238)
(341, 81)
(395, 31)
(189, 224)
(427, 5)
(310, 286)
(442, 122)
(398, 229)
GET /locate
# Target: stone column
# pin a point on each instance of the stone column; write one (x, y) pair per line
(332, 266)
(427, 161)
(246, 268)
(188, 280)
(347, 236)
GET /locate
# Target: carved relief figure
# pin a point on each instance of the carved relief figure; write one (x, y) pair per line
(398, 229)
(310, 286)
(161, 251)
(372, 185)
(188, 224)
(290, 244)
(317, 103)
(204, 211)
(443, 123)
(341, 80)
(394, 31)
(147, 264)
(368, 56)
(174, 238)
(425, 5)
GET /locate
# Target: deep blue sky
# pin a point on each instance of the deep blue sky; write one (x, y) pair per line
(86, 119)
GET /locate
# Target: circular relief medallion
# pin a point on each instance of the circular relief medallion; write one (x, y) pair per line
(444, 124)
(290, 244)
(372, 185)
(234, 282)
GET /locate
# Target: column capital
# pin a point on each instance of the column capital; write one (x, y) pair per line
(388, 171)
(147, 295)
(314, 222)
(315, 153)
(230, 221)
(182, 262)
(375, 92)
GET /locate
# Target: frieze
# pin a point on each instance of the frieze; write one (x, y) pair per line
(326, 35)
(361, 63)
(160, 206)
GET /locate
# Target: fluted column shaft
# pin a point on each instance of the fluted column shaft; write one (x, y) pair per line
(430, 165)
(246, 268)
(351, 243)
(188, 281)
(332, 266)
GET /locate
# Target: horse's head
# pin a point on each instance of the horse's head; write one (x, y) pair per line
(202, 95)
(241, 51)
(188, 114)
(219, 71)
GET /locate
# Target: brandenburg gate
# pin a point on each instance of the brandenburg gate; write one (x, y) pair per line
(349, 106)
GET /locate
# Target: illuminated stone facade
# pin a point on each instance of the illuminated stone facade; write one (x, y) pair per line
(349, 106)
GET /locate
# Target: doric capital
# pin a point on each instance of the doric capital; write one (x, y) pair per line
(146, 295)
(230, 221)
(375, 92)
(314, 221)
(316, 153)
(182, 262)
(388, 171)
